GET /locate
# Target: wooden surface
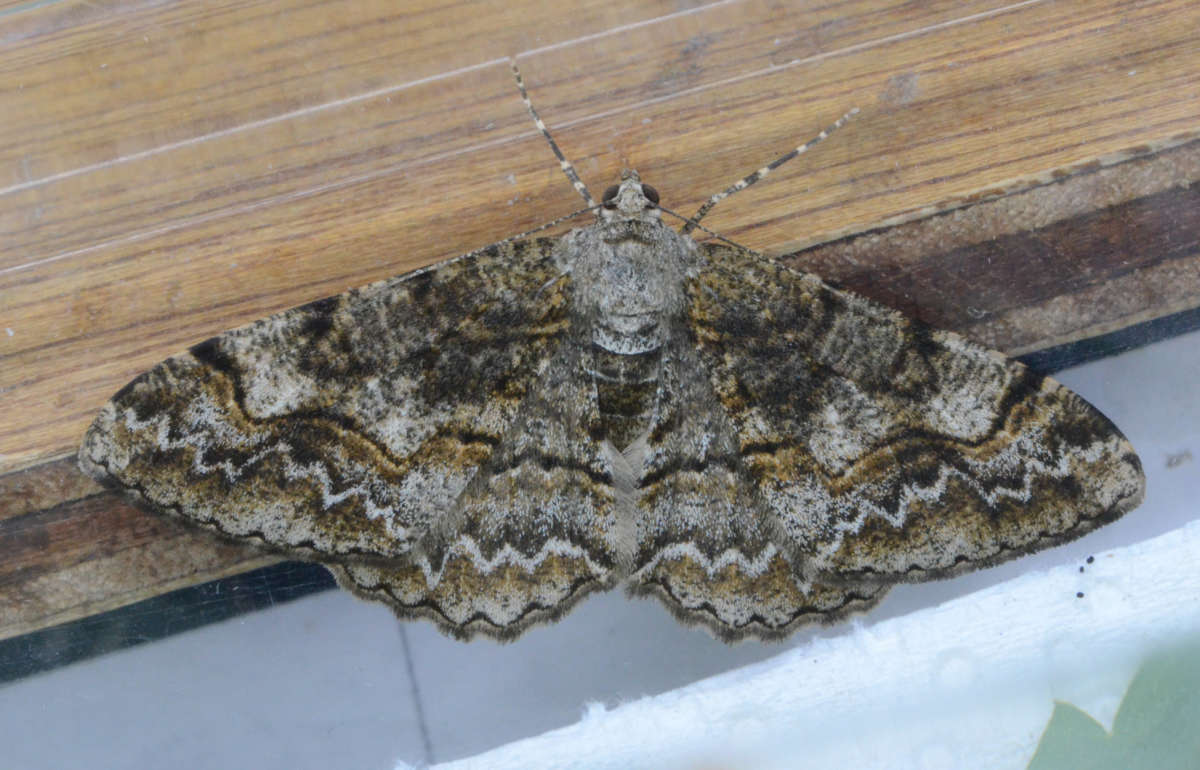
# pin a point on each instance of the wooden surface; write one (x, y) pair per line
(1043, 262)
(171, 170)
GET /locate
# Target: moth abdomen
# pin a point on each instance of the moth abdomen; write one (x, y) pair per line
(627, 384)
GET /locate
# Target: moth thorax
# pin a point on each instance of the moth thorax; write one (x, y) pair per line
(626, 353)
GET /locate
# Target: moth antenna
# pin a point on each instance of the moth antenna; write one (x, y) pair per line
(522, 235)
(551, 223)
(701, 227)
(745, 182)
(563, 163)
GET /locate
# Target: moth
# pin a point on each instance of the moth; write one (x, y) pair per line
(486, 441)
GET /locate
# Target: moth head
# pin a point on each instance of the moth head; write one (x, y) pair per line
(629, 200)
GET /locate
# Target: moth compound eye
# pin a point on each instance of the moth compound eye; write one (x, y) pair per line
(610, 197)
(650, 193)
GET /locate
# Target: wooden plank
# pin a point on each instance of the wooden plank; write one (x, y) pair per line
(230, 167)
(153, 251)
(1040, 262)
(100, 82)
(263, 145)
(70, 550)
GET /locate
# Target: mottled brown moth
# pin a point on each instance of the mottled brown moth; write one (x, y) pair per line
(485, 441)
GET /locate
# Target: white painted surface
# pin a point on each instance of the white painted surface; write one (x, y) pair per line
(970, 683)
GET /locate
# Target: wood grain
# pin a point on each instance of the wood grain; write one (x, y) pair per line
(1043, 261)
(171, 170)
(71, 550)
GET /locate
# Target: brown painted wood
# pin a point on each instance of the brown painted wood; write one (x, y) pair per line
(69, 549)
(168, 171)
(1044, 262)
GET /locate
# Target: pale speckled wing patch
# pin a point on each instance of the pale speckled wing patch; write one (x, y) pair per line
(529, 535)
(348, 429)
(887, 450)
(708, 545)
